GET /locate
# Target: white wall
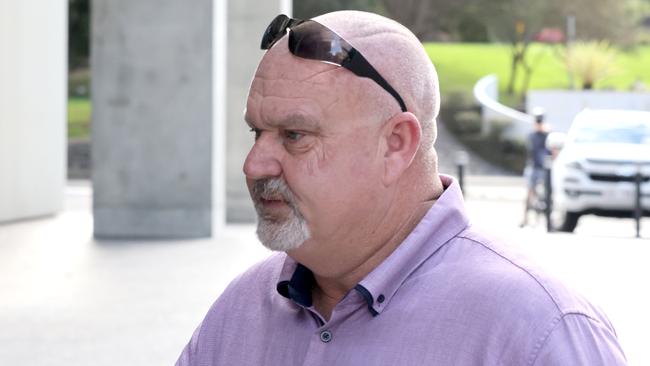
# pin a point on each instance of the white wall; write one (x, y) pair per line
(33, 69)
(562, 105)
(486, 93)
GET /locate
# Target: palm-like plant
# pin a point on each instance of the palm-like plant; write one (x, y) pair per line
(589, 62)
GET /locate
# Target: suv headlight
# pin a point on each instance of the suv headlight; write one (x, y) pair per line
(574, 165)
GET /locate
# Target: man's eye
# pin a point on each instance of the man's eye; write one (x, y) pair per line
(257, 132)
(293, 136)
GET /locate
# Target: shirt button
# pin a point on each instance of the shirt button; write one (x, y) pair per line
(326, 336)
(381, 299)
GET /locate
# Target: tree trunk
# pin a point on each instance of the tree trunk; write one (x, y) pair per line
(514, 66)
(528, 72)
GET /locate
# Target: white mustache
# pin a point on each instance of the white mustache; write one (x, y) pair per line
(272, 189)
(278, 233)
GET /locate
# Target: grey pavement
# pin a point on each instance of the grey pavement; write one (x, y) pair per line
(67, 299)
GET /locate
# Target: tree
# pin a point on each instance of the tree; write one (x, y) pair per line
(428, 19)
(306, 9)
(611, 20)
(78, 33)
(414, 14)
(517, 22)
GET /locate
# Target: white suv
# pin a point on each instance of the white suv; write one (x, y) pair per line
(594, 172)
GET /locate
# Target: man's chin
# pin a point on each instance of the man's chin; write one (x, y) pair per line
(281, 246)
(281, 237)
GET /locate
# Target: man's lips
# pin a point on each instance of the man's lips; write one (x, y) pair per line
(273, 208)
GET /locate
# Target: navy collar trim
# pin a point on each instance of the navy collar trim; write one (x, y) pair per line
(368, 297)
(299, 287)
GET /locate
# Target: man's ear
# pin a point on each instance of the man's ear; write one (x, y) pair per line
(402, 134)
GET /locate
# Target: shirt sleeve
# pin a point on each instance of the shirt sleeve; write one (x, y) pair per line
(188, 355)
(577, 339)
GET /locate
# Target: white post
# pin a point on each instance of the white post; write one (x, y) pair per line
(247, 20)
(33, 74)
(570, 38)
(219, 75)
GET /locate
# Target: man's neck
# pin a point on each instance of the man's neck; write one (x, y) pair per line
(329, 291)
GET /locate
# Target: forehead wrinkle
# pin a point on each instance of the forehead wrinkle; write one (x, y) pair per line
(317, 78)
(269, 85)
(285, 76)
(325, 72)
(383, 35)
(295, 120)
(291, 67)
(322, 92)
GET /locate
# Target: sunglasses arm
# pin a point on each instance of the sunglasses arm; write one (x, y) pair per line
(358, 64)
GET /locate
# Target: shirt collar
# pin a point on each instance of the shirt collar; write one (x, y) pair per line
(298, 288)
(444, 220)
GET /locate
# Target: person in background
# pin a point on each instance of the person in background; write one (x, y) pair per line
(537, 153)
(376, 261)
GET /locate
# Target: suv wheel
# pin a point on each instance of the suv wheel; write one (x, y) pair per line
(565, 221)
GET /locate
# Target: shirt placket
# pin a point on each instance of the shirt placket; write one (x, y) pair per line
(324, 338)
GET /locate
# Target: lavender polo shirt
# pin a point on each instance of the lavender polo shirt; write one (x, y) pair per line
(446, 296)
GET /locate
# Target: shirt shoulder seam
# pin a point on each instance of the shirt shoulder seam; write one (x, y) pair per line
(550, 296)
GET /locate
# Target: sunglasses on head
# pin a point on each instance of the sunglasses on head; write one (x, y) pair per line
(312, 40)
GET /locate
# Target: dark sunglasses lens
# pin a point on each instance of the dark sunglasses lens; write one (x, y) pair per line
(314, 41)
(274, 31)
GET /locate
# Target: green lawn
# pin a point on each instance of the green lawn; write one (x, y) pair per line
(460, 65)
(79, 111)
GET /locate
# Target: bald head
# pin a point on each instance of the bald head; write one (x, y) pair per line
(392, 50)
(400, 58)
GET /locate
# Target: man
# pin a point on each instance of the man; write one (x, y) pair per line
(537, 154)
(378, 264)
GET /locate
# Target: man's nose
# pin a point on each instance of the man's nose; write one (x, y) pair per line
(262, 161)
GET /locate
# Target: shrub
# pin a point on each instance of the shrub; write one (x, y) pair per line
(454, 103)
(493, 147)
(79, 83)
(459, 100)
(589, 62)
(467, 122)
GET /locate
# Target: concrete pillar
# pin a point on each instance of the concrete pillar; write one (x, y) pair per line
(33, 69)
(170, 81)
(247, 20)
(152, 118)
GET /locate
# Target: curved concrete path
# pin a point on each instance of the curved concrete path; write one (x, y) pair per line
(448, 146)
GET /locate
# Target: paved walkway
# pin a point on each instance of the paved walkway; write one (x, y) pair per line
(67, 299)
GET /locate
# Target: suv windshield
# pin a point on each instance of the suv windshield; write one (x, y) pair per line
(624, 132)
